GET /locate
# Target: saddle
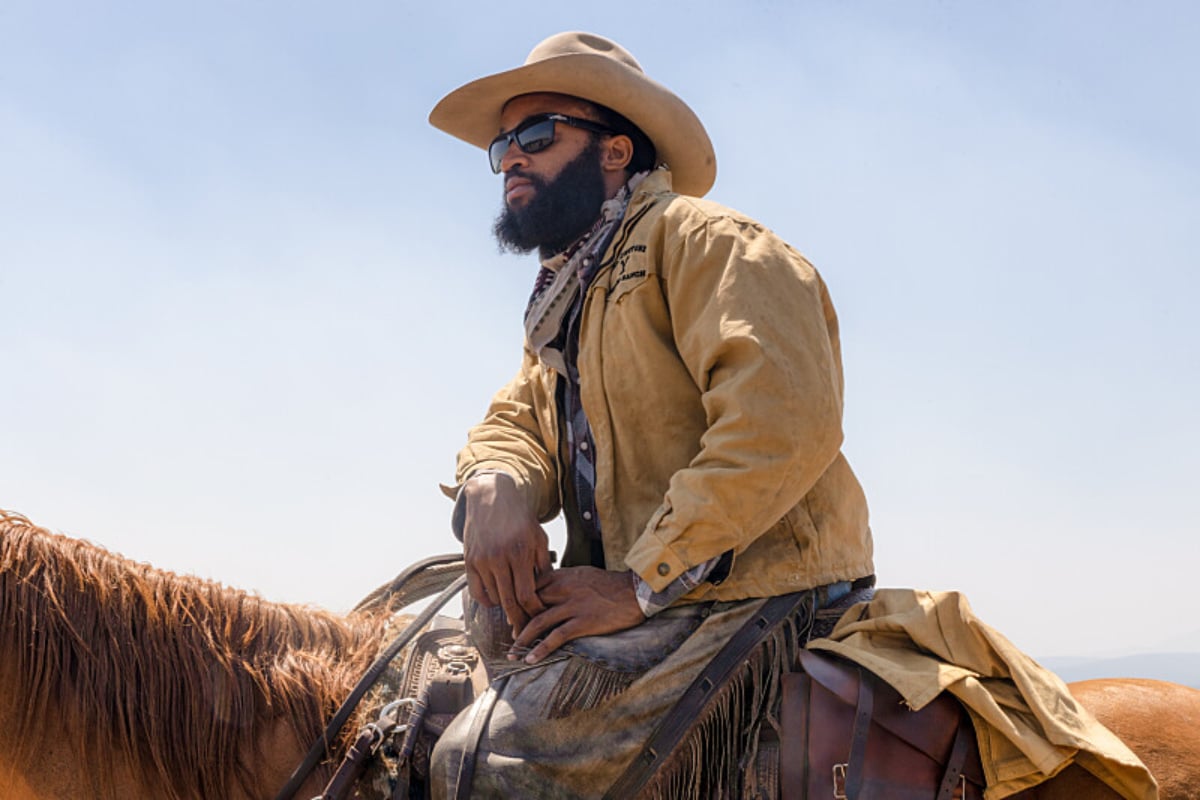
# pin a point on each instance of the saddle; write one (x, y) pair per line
(846, 734)
(839, 732)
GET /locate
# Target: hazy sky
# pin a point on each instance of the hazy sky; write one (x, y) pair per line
(252, 303)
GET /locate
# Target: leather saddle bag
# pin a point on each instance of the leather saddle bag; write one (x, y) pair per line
(846, 734)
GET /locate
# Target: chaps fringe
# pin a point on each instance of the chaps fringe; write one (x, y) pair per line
(716, 757)
(585, 685)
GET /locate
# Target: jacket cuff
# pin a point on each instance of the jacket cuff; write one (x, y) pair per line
(714, 571)
(655, 563)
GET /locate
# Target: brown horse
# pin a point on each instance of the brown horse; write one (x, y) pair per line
(121, 680)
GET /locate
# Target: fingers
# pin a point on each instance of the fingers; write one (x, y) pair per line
(491, 581)
(554, 640)
(475, 585)
(505, 547)
(526, 595)
(581, 601)
(500, 571)
(508, 599)
(540, 624)
(562, 625)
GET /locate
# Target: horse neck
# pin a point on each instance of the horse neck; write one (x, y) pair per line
(175, 685)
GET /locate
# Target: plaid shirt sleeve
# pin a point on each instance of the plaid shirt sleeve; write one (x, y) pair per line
(652, 602)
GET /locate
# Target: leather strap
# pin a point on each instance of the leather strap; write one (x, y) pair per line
(687, 709)
(856, 766)
(954, 767)
(480, 714)
(319, 750)
(353, 764)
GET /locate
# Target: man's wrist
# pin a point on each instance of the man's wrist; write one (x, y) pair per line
(458, 517)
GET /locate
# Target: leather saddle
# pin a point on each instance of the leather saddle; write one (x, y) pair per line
(844, 733)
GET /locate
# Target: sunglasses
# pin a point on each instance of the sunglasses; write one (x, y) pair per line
(535, 134)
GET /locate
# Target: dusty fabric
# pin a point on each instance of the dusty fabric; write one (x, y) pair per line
(607, 664)
(532, 749)
(1029, 726)
(711, 376)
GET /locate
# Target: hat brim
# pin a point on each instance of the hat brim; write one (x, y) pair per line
(472, 112)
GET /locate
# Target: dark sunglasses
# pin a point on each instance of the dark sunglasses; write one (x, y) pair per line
(535, 134)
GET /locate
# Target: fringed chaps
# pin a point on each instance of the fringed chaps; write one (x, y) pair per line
(568, 727)
(716, 757)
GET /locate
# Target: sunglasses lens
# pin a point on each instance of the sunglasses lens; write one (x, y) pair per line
(496, 151)
(536, 137)
(532, 138)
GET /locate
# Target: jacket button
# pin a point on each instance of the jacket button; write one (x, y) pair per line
(664, 569)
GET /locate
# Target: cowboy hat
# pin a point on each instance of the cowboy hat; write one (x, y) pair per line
(592, 68)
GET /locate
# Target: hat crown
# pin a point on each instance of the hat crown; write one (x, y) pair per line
(576, 43)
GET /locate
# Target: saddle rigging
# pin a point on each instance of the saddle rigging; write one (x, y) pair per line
(840, 732)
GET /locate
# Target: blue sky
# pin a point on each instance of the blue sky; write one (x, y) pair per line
(252, 303)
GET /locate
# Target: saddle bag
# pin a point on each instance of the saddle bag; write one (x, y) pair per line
(847, 734)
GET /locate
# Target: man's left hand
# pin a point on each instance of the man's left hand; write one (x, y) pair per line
(581, 601)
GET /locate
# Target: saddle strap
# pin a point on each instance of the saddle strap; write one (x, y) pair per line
(858, 739)
(958, 759)
(481, 712)
(863, 713)
(686, 711)
(355, 761)
(319, 749)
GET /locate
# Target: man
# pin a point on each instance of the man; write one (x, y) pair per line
(679, 400)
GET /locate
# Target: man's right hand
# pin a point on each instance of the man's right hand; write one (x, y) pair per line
(504, 548)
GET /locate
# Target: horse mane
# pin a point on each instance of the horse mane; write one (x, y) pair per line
(178, 677)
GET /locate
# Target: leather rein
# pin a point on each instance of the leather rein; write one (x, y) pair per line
(382, 596)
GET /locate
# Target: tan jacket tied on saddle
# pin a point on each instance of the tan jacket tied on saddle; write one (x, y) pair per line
(1028, 725)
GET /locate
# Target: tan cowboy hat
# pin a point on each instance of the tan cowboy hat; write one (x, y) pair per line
(600, 70)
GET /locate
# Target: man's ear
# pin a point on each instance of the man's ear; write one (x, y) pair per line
(616, 153)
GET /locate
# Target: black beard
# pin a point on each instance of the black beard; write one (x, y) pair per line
(561, 210)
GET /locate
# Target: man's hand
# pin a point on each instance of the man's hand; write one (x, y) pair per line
(504, 548)
(581, 601)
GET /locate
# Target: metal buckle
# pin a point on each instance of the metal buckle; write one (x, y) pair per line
(839, 781)
(388, 722)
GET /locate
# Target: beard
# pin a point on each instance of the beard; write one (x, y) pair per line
(561, 210)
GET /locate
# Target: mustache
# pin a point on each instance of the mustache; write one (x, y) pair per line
(517, 172)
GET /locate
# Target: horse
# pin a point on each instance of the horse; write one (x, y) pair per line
(118, 679)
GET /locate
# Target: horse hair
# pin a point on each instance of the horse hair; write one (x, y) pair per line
(177, 677)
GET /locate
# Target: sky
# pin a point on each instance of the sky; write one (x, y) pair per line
(251, 301)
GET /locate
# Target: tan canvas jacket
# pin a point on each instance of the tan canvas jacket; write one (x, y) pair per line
(711, 376)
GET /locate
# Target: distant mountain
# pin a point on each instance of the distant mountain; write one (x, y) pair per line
(1175, 667)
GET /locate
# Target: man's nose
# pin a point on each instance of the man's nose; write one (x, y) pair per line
(512, 156)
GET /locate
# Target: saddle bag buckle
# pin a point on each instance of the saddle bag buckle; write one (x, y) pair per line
(839, 781)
